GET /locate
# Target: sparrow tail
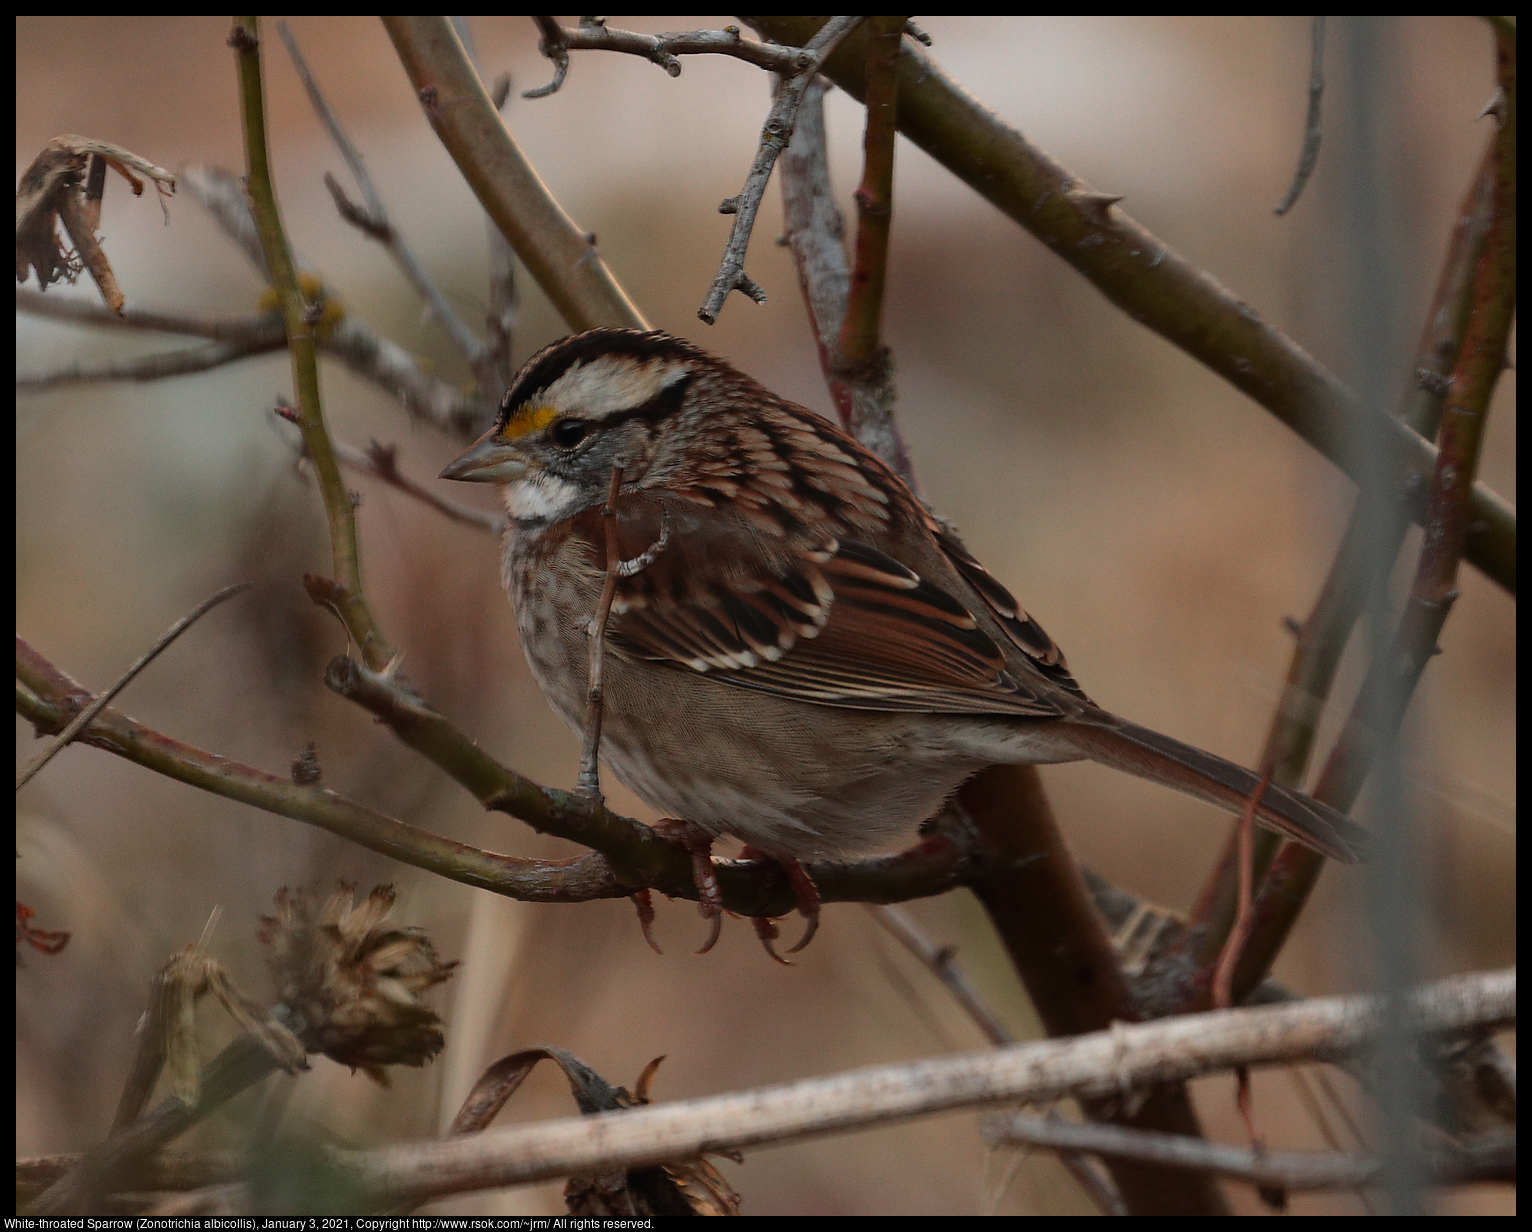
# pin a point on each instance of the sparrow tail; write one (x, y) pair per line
(1149, 755)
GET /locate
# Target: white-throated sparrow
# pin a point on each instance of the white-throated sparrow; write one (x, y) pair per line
(799, 655)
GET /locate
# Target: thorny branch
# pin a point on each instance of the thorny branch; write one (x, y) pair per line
(593, 34)
(1142, 275)
(49, 699)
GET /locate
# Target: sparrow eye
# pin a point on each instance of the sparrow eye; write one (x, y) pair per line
(567, 433)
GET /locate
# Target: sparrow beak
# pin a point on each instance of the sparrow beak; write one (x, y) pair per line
(488, 460)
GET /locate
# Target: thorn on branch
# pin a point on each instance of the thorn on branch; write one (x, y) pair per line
(1095, 205)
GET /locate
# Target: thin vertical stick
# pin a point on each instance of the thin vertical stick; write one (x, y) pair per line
(589, 781)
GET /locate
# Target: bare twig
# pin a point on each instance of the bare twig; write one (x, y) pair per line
(941, 961)
(1308, 159)
(223, 327)
(589, 781)
(1492, 1158)
(373, 219)
(82, 719)
(775, 134)
(1099, 1065)
(156, 367)
(556, 42)
(382, 462)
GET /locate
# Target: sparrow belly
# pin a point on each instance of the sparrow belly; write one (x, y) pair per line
(792, 778)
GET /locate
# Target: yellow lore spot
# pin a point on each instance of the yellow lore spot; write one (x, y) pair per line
(527, 420)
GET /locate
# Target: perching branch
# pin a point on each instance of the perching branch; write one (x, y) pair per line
(49, 699)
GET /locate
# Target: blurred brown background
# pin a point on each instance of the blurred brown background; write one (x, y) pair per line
(1157, 523)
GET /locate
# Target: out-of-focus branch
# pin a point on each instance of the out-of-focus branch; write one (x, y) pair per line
(1491, 1158)
(1308, 158)
(1144, 277)
(349, 602)
(156, 367)
(223, 327)
(1103, 1065)
(372, 219)
(559, 255)
(1379, 707)
(238, 1067)
(362, 349)
(1322, 638)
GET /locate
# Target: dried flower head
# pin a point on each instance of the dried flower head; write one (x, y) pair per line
(349, 987)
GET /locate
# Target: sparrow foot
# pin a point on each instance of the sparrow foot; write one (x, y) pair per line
(699, 845)
(644, 903)
(808, 904)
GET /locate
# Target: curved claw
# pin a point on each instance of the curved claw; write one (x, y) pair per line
(712, 937)
(766, 930)
(645, 905)
(809, 930)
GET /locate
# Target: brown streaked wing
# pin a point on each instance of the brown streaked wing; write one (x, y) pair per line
(1042, 651)
(839, 623)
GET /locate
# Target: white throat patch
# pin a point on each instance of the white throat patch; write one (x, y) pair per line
(540, 497)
